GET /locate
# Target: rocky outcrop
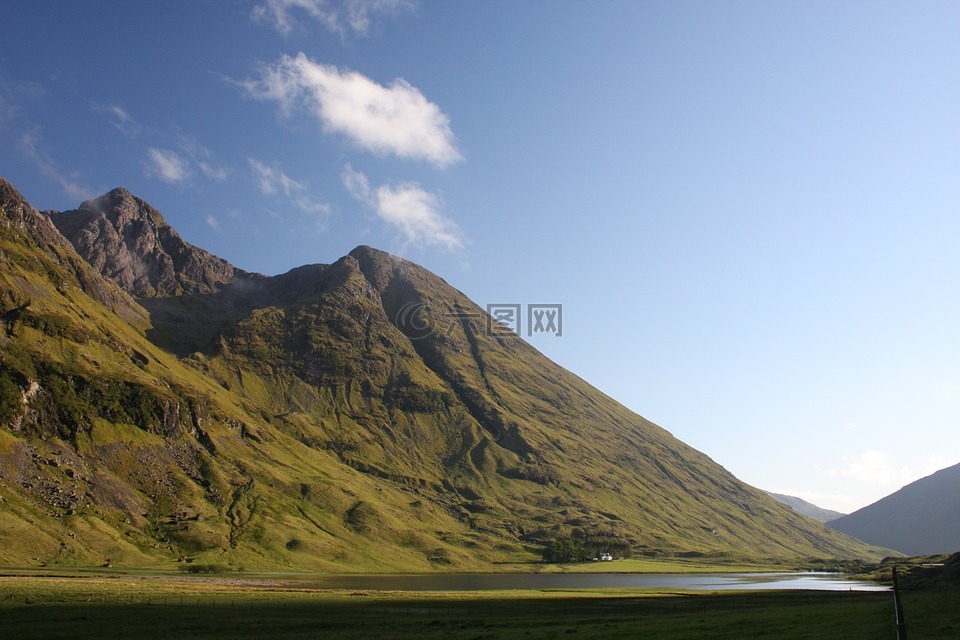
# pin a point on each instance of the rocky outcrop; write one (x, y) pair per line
(18, 214)
(129, 242)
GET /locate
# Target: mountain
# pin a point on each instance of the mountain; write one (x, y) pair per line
(806, 508)
(157, 403)
(922, 518)
(129, 242)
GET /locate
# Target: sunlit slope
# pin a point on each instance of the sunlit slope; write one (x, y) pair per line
(357, 415)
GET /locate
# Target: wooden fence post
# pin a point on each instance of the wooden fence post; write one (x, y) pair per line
(898, 604)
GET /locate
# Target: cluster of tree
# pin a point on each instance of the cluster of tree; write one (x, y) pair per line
(584, 548)
(72, 398)
(204, 568)
(926, 572)
(11, 402)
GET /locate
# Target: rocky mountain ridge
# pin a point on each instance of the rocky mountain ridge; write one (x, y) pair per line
(128, 241)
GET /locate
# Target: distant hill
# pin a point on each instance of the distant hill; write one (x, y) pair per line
(807, 508)
(157, 403)
(923, 518)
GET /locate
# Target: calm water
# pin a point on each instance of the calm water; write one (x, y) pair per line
(691, 581)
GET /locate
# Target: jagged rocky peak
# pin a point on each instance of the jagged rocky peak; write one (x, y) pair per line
(121, 207)
(19, 213)
(9, 196)
(128, 241)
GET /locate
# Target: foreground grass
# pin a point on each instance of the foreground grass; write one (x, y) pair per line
(151, 607)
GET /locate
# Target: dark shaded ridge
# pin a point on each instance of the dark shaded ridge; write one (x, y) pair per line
(469, 332)
(192, 323)
(421, 321)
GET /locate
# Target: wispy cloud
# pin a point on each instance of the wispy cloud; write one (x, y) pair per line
(121, 119)
(416, 213)
(30, 144)
(272, 180)
(356, 184)
(395, 119)
(8, 110)
(13, 95)
(213, 223)
(189, 159)
(341, 17)
(200, 156)
(17, 98)
(213, 172)
(167, 165)
(182, 165)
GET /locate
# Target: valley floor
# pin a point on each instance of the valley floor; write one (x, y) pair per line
(146, 607)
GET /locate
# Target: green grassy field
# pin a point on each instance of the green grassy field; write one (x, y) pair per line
(147, 607)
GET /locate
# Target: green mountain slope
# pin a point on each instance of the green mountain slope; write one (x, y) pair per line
(358, 415)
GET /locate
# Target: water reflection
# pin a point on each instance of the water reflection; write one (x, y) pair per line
(685, 581)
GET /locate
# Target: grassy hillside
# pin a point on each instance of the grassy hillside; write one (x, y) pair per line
(303, 422)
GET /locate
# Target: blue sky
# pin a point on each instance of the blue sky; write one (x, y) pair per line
(748, 210)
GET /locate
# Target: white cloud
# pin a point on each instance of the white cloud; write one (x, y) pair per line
(872, 467)
(30, 145)
(396, 119)
(416, 213)
(948, 393)
(412, 210)
(937, 461)
(177, 167)
(167, 165)
(339, 17)
(279, 13)
(213, 223)
(359, 13)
